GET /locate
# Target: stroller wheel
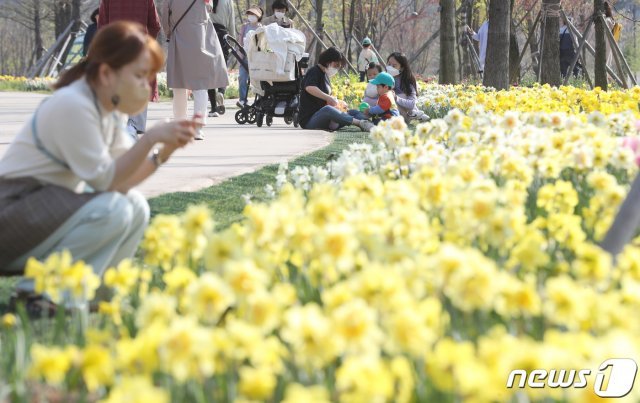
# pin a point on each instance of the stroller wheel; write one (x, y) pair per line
(288, 120)
(269, 120)
(221, 109)
(259, 119)
(241, 118)
(296, 120)
(252, 116)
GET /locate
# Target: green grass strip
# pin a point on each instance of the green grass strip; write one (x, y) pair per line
(225, 199)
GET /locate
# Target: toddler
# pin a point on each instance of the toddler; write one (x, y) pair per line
(371, 93)
(386, 106)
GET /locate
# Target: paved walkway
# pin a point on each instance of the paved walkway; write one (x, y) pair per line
(228, 150)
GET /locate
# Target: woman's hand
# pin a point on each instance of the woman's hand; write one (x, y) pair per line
(332, 101)
(173, 134)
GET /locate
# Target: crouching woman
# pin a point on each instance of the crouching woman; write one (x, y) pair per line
(66, 179)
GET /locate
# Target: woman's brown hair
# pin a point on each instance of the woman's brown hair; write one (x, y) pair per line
(116, 45)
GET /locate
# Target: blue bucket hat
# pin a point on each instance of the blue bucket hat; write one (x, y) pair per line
(384, 79)
(366, 41)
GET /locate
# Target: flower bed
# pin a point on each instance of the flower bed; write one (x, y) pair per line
(426, 268)
(436, 100)
(10, 83)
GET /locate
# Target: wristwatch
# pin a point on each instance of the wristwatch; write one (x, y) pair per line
(155, 158)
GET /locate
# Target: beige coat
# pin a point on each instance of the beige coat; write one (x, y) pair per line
(225, 15)
(195, 59)
(366, 56)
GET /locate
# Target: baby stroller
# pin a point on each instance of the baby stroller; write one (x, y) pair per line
(274, 58)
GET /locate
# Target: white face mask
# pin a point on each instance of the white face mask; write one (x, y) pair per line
(332, 71)
(393, 71)
(252, 19)
(279, 15)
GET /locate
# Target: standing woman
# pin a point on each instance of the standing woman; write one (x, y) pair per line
(46, 205)
(90, 32)
(143, 12)
(254, 16)
(406, 88)
(223, 17)
(280, 10)
(195, 60)
(609, 21)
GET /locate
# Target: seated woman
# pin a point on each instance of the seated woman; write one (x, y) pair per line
(406, 87)
(318, 109)
(77, 139)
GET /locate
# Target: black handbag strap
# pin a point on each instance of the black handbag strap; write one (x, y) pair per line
(182, 17)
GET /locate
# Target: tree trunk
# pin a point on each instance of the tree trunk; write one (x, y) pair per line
(448, 67)
(75, 14)
(551, 46)
(496, 71)
(460, 23)
(37, 29)
(514, 52)
(319, 26)
(467, 20)
(347, 39)
(62, 13)
(533, 45)
(601, 47)
(268, 5)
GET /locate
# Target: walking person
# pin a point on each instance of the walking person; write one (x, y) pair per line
(254, 16)
(46, 205)
(143, 12)
(195, 61)
(482, 37)
(280, 10)
(366, 57)
(223, 16)
(567, 51)
(608, 19)
(90, 32)
(615, 29)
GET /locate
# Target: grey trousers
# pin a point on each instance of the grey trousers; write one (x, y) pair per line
(105, 231)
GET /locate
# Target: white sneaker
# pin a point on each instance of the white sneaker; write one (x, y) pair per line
(199, 135)
(240, 104)
(213, 114)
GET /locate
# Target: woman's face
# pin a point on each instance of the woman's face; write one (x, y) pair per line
(335, 65)
(394, 63)
(131, 85)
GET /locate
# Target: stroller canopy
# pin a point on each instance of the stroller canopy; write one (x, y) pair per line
(280, 43)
